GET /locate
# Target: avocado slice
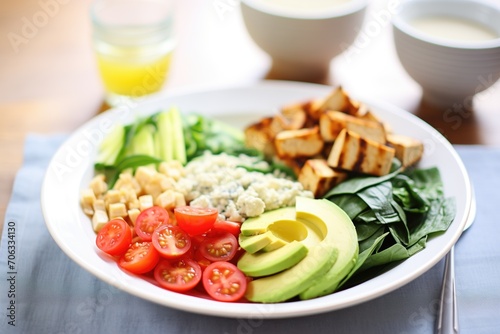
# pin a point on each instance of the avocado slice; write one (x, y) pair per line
(255, 243)
(268, 263)
(275, 243)
(289, 283)
(323, 221)
(260, 224)
(344, 236)
(278, 233)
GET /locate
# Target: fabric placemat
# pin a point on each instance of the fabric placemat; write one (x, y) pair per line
(43, 291)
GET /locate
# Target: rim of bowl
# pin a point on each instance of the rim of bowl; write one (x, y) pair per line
(344, 9)
(400, 22)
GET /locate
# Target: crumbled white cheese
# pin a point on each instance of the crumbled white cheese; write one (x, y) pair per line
(218, 181)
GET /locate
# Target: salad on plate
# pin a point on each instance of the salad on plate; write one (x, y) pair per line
(315, 199)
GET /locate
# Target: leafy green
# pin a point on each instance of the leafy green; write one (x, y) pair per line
(394, 215)
(202, 133)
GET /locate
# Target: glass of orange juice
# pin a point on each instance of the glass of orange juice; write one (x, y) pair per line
(133, 41)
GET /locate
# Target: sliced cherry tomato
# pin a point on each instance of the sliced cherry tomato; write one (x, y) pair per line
(202, 261)
(178, 275)
(223, 281)
(219, 246)
(227, 226)
(195, 220)
(149, 220)
(115, 237)
(171, 241)
(139, 258)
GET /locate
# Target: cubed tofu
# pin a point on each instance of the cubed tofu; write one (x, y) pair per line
(291, 117)
(294, 164)
(356, 109)
(314, 109)
(298, 143)
(318, 177)
(99, 219)
(338, 100)
(331, 123)
(258, 136)
(116, 210)
(371, 116)
(408, 150)
(351, 152)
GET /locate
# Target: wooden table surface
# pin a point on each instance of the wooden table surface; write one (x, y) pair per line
(49, 83)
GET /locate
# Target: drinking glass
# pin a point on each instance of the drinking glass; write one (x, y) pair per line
(133, 41)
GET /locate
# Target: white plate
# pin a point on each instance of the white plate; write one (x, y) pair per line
(72, 166)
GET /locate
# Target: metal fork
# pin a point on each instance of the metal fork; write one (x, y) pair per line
(447, 322)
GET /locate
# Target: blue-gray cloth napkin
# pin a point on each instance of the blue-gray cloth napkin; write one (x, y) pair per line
(43, 291)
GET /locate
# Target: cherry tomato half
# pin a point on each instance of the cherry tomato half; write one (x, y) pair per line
(178, 275)
(227, 226)
(149, 220)
(202, 261)
(114, 238)
(195, 220)
(139, 258)
(171, 241)
(219, 246)
(223, 281)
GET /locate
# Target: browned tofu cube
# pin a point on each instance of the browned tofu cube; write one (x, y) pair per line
(313, 109)
(353, 153)
(333, 122)
(338, 100)
(408, 150)
(291, 117)
(318, 177)
(371, 116)
(298, 143)
(295, 164)
(258, 136)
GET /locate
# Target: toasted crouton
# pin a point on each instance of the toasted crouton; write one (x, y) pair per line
(318, 177)
(258, 136)
(333, 122)
(298, 143)
(408, 150)
(352, 152)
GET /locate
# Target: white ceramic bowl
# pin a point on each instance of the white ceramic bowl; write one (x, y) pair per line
(302, 43)
(449, 71)
(71, 170)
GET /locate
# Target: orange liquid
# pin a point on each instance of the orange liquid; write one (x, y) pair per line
(132, 72)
